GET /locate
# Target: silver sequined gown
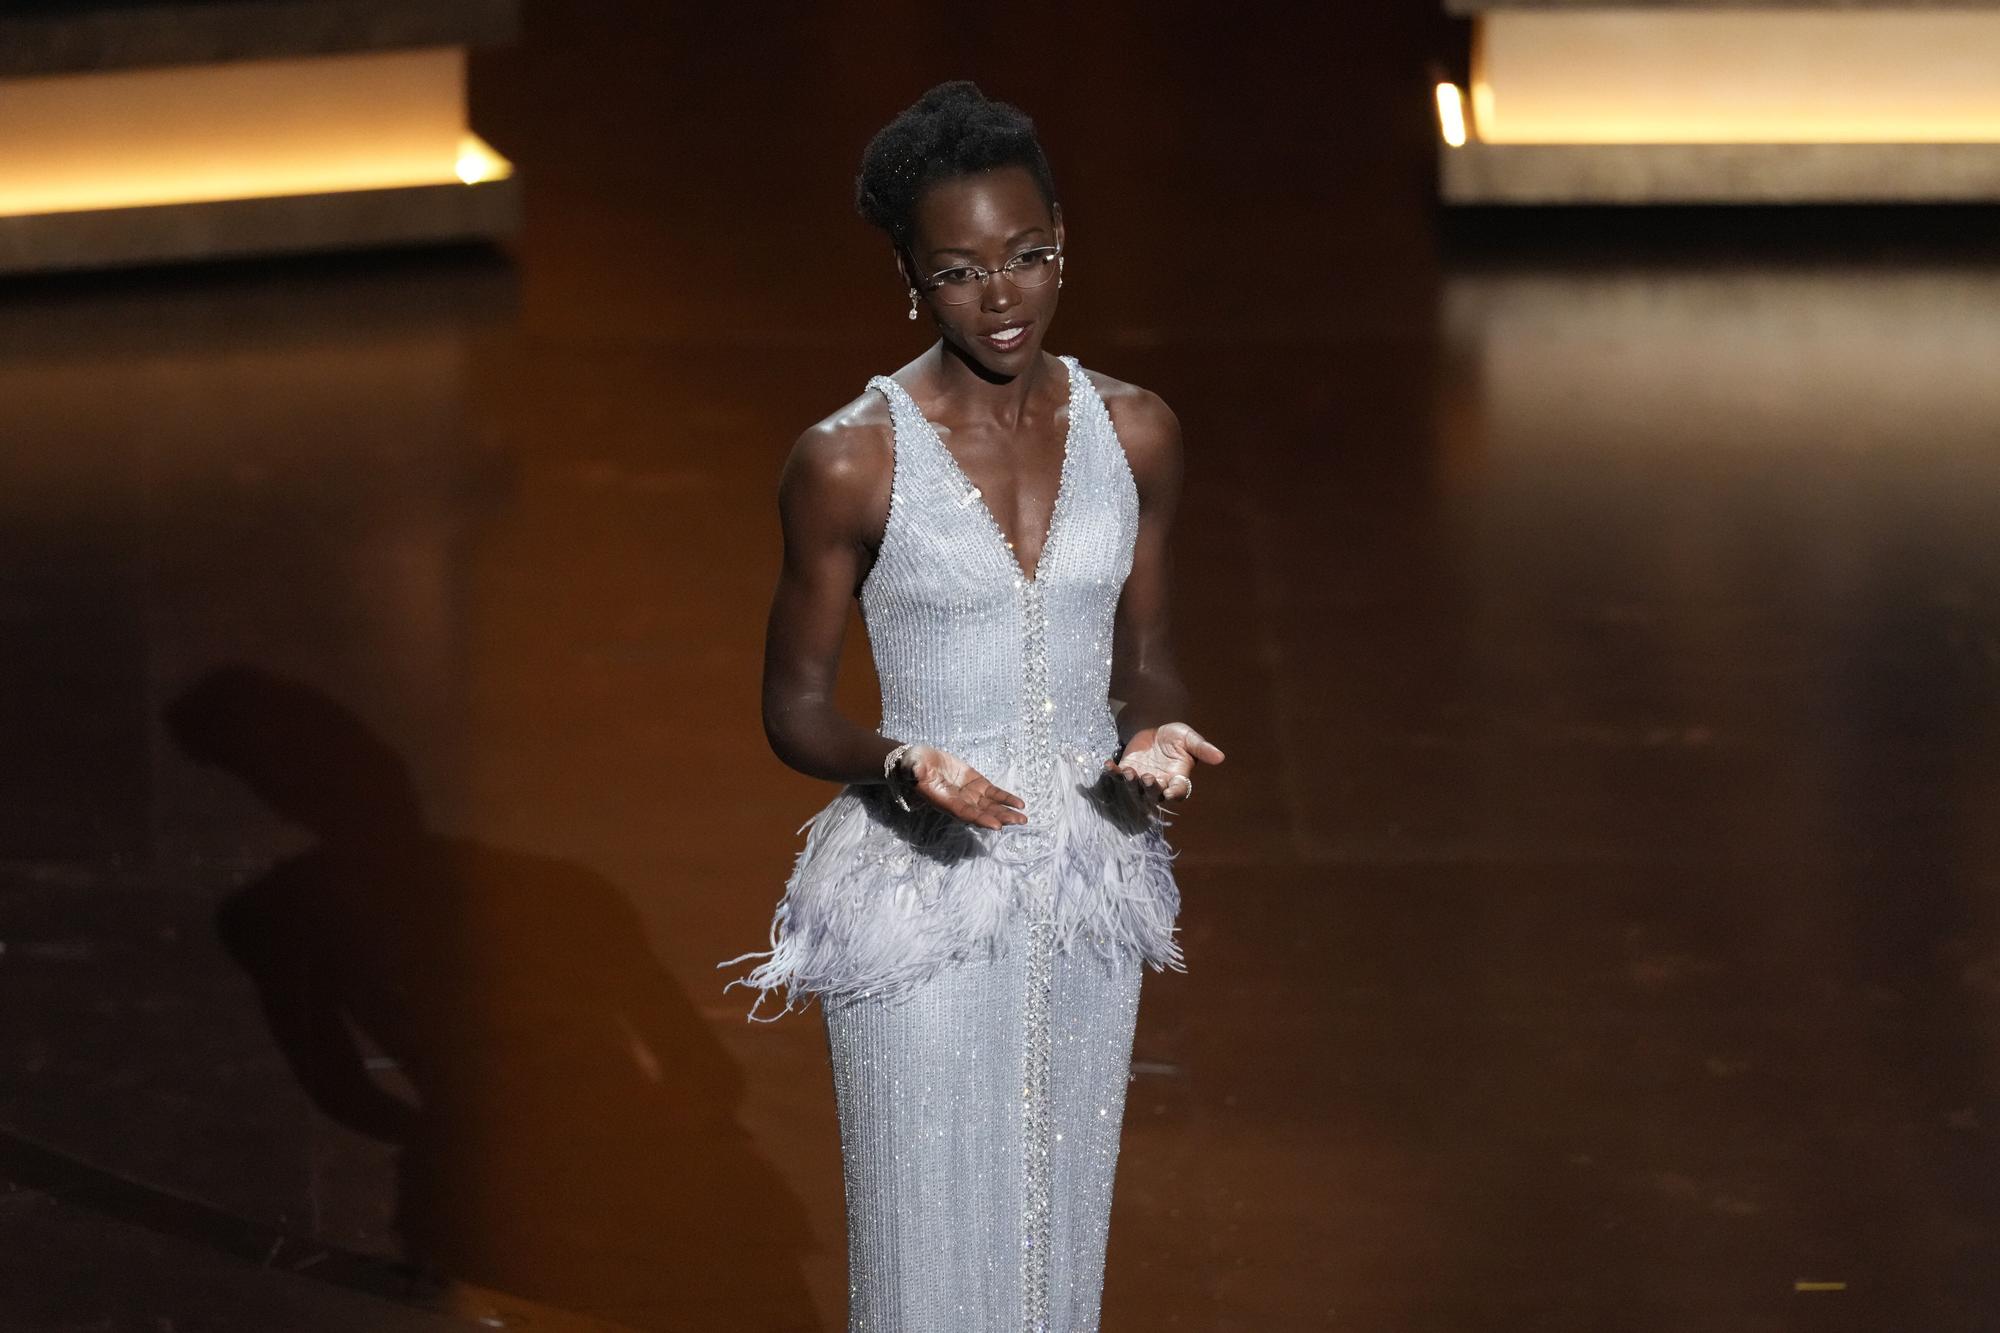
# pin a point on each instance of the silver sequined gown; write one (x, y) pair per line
(980, 986)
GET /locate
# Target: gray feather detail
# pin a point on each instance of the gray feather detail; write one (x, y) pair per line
(879, 899)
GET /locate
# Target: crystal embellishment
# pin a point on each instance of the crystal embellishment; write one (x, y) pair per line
(1041, 967)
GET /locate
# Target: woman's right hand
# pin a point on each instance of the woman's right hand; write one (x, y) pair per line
(957, 788)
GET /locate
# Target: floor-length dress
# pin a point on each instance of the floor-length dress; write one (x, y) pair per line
(980, 986)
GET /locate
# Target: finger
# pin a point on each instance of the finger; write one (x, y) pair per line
(1199, 745)
(994, 815)
(1128, 776)
(1000, 799)
(985, 788)
(991, 805)
(983, 815)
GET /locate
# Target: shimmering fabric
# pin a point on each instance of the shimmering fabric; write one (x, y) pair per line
(943, 1152)
(980, 986)
(1012, 674)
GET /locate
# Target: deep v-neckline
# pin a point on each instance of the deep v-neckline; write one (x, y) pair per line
(974, 493)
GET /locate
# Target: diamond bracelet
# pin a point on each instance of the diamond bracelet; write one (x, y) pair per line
(889, 772)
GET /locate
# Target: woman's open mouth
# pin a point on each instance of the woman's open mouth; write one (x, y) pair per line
(1007, 339)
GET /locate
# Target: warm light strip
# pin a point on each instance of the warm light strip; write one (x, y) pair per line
(246, 129)
(1451, 114)
(478, 162)
(1737, 76)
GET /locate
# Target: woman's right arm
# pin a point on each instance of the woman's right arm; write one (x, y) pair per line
(833, 500)
(833, 496)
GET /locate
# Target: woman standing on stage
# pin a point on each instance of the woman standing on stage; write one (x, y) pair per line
(974, 907)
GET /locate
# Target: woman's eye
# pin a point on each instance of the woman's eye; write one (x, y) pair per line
(957, 275)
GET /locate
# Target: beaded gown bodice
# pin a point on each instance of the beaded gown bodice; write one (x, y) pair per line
(972, 654)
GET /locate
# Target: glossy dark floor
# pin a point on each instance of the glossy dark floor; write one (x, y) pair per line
(1594, 927)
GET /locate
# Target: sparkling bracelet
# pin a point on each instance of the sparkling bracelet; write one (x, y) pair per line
(890, 775)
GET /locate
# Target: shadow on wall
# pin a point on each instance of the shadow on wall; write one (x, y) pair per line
(566, 1122)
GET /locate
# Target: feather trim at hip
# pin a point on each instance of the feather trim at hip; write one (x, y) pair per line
(879, 899)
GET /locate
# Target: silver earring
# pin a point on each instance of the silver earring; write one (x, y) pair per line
(1059, 266)
(913, 298)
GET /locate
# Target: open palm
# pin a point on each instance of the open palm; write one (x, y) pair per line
(1153, 761)
(960, 790)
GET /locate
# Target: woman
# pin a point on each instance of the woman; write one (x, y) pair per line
(974, 907)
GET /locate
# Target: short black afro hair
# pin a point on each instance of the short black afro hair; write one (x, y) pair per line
(952, 130)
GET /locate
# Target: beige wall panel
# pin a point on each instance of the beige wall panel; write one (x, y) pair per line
(1659, 76)
(249, 128)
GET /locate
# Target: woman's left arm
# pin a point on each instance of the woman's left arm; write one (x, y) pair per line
(1157, 745)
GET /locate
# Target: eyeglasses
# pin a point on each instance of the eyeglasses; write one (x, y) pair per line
(1030, 268)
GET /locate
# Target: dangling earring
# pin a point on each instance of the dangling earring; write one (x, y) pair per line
(1059, 264)
(913, 299)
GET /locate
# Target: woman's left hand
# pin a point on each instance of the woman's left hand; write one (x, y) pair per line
(1160, 763)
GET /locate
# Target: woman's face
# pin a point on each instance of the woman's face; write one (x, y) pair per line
(986, 219)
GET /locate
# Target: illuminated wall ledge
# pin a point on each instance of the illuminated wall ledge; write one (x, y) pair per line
(282, 224)
(1719, 173)
(1724, 101)
(169, 132)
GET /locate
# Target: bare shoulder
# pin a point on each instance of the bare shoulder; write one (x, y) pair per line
(841, 467)
(1146, 426)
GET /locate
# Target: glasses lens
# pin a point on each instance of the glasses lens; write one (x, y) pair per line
(1032, 268)
(958, 286)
